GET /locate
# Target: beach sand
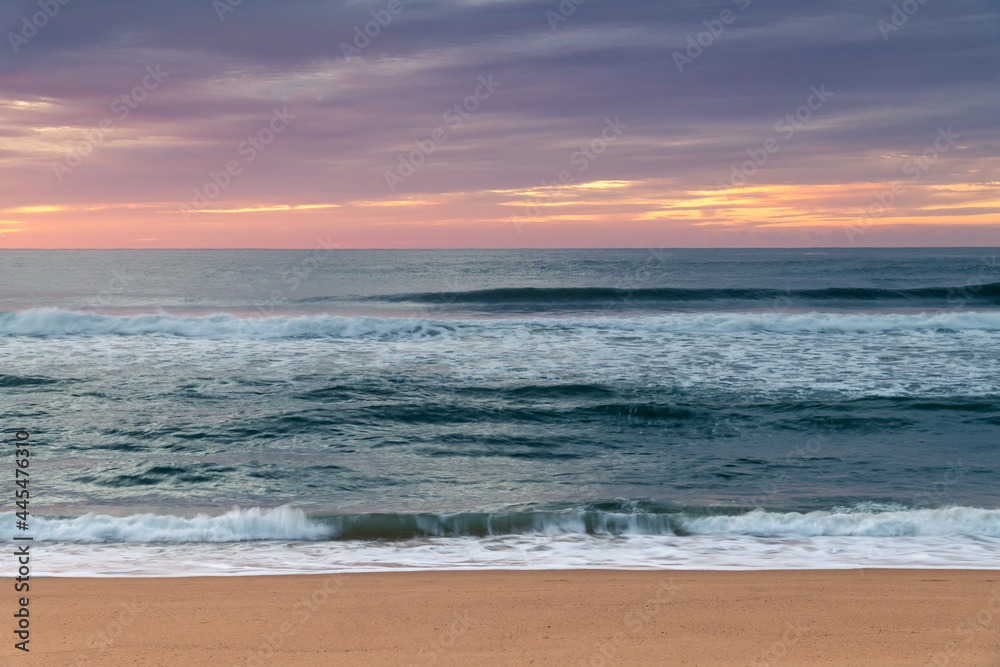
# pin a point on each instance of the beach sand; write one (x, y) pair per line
(813, 617)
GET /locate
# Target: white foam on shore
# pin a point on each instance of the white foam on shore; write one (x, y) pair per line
(286, 541)
(523, 552)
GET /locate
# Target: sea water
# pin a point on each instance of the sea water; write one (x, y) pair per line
(267, 411)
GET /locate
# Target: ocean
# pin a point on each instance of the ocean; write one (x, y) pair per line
(233, 412)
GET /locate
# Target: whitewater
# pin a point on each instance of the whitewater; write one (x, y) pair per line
(287, 541)
(50, 322)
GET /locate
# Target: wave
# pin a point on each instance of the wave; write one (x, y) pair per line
(61, 323)
(24, 380)
(287, 523)
(520, 552)
(282, 523)
(576, 296)
(50, 322)
(852, 522)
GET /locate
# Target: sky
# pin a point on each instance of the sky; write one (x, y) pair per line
(499, 123)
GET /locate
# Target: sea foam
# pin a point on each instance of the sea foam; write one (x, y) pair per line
(50, 322)
(288, 523)
(282, 523)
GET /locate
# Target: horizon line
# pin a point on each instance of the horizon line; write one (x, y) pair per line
(644, 247)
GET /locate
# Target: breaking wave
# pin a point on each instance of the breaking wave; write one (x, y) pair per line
(50, 322)
(287, 523)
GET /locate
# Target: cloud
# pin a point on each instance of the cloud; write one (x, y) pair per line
(356, 117)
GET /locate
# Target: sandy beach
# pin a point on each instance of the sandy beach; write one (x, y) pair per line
(877, 617)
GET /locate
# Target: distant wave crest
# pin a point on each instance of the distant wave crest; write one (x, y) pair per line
(555, 296)
(62, 323)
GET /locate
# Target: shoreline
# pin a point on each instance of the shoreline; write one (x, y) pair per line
(504, 617)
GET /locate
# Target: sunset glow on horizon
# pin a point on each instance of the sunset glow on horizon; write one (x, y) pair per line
(494, 125)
